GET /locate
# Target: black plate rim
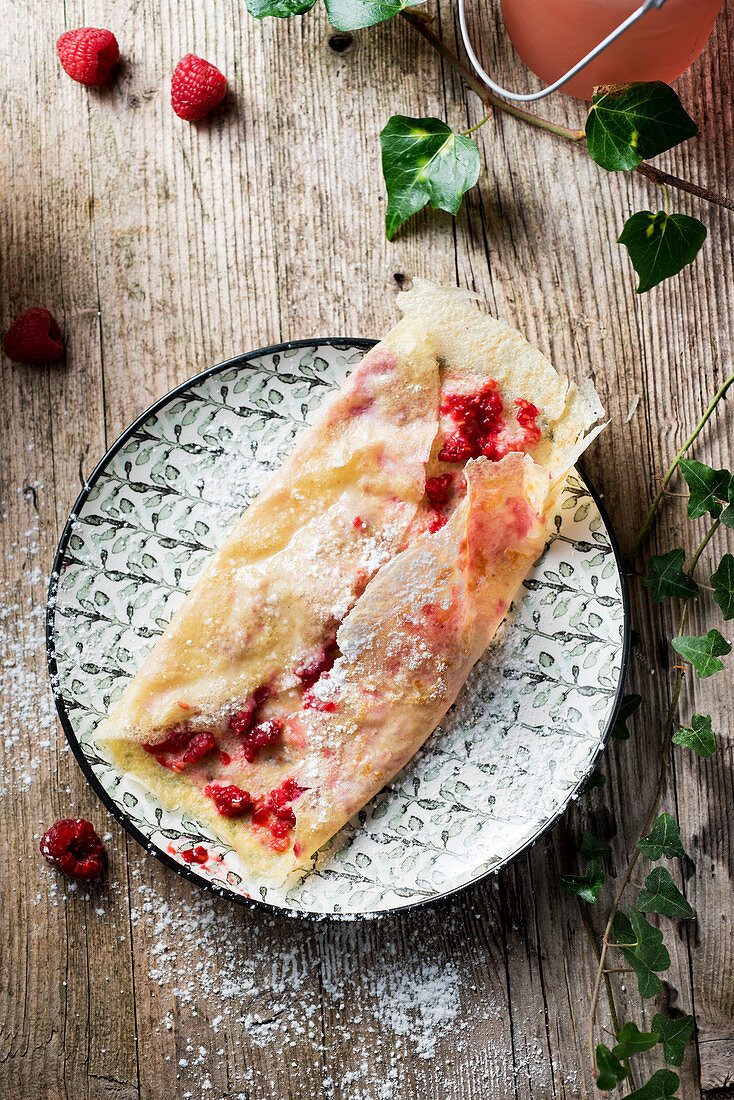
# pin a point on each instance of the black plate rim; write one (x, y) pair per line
(111, 806)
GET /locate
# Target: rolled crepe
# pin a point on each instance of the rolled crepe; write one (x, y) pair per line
(338, 622)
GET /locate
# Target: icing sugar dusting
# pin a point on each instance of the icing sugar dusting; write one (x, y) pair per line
(357, 1007)
(27, 710)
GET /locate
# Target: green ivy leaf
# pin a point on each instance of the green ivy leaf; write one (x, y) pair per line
(628, 123)
(700, 738)
(596, 779)
(727, 516)
(661, 895)
(660, 245)
(722, 580)
(630, 1040)
(424, 161)
(703, 652)
(281, 9)
(586, 886)
(674, 1035)
(352, 15)
(591, 847)
(611, 1071)
(662, 1086)
(643, 949)
(708, 487)
(628, 706)
(667, 578)
(664, 840)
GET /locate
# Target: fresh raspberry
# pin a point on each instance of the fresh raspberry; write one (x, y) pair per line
(437, 489)
(73, 846)
(230, 801)
(182, 747)
(196, 87)
(195, 855)
(34, 337)
(263, 734)
(88, 54)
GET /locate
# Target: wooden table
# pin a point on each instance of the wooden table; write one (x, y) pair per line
(164, 247)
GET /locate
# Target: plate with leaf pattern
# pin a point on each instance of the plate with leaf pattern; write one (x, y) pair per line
(515, 749)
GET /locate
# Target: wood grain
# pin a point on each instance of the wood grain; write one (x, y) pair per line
(164, 247)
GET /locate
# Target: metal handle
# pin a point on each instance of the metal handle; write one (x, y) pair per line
(643, 9)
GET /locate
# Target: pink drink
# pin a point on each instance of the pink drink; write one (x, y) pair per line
(552, 35)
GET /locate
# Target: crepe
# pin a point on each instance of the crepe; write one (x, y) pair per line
(336, 625)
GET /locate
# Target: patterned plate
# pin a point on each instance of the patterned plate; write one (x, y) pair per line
(510, 755)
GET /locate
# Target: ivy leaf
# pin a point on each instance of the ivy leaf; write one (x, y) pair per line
(703, 652)
(586, 885)
(424, 161)
(661, 895)
(661, 1086)
(664, 840)
(630, 1040)
(591, 847)
(707, 487)
(281, 9)
(660, 245)
(727, 516)
(700, 738)
(611, 1071)
(352, 15)
(596, 779)
(643, 949)
(628, 123)
(674, 1035)
(668, 578)
(628, 706)
(722, 580)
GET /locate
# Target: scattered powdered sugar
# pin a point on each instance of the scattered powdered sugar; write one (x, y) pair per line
(356, 1006)
(27, 710)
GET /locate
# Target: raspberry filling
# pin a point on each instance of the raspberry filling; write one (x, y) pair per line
(276, 814)
(260, 736)
(481, 425)
(195, 855)
(230, 801)
(309, 671)
(311, 701)
(437, 489)
(182, 747)
(73, 846)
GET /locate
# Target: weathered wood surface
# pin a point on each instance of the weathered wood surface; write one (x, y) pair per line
(164, 247)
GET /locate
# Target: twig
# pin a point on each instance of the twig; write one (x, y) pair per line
(674, 464)
(420, 21)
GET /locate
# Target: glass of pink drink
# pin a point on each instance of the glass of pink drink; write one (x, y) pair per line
(552, 35)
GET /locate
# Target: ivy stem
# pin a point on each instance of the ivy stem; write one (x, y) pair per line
(586, 920)
(674, 464)
(650, 819)
(420, 21)
(477, 125)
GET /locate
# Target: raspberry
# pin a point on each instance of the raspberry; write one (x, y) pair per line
(309, 671)
(263, 734)
(230, 801)
(194, 747)
(196, 87)
(73, 846)
(34, 337)
(88, 54)
(437, 489)
(195, 855)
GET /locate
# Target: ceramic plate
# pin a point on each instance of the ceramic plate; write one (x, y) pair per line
(510, 755)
